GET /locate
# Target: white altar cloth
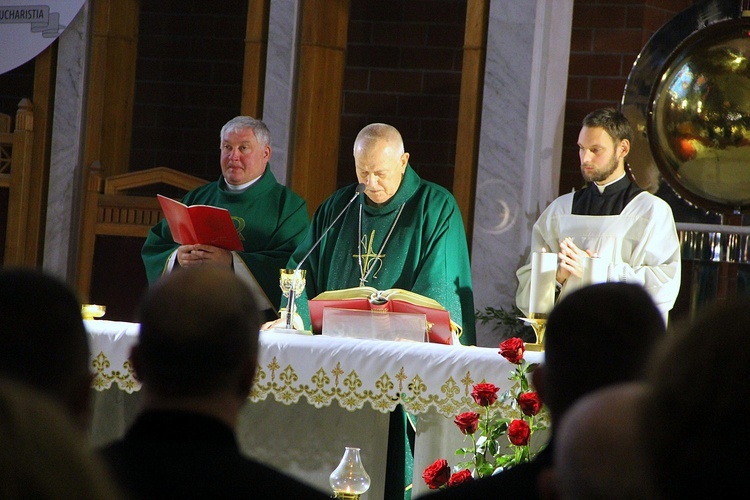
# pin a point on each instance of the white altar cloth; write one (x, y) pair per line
(432, 381)
(351, 372)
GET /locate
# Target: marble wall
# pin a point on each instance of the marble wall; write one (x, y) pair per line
(520, 144)
(66, 153)
(278, 108)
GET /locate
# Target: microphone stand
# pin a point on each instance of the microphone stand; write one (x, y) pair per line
(292, 293)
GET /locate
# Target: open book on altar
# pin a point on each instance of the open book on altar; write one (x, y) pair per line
(393, 300)
(200, 224)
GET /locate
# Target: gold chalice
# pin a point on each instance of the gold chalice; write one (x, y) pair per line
(292, 279)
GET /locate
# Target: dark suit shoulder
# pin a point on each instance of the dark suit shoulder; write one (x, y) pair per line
(175, 455)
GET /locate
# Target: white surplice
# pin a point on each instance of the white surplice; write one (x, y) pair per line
(640, 244)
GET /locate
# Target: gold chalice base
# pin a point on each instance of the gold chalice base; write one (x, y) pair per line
(539, 323)
(92, 311)
(534, 346)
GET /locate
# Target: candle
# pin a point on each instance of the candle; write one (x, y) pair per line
(595, 270)
(543, 271)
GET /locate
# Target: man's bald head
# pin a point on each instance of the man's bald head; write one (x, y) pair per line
(199, 331)
(598, 452)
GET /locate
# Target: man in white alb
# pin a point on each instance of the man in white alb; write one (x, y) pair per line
(611, 218)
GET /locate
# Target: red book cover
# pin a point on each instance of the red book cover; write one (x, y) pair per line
(393, 300)
(200, 224)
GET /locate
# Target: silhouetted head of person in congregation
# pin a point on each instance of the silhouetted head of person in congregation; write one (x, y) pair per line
(600, 450)
(597, 336)
(198, 338)
(693, 420)
(43, 341)
(42, 452)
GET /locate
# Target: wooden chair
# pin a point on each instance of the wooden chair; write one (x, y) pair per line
(16, 177)
(110, 211)
(4, 123)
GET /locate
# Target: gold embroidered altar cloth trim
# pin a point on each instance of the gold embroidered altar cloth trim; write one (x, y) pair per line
(321, 370)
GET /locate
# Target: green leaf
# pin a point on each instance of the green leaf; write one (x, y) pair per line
(485, 469)
(493, 449)
(506, 322)
(465, 465)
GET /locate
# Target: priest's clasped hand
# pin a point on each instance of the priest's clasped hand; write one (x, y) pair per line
(196, 255)
(570, 260)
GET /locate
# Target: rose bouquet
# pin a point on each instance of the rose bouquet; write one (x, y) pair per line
(517, 414)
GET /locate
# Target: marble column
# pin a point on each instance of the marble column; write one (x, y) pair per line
(281, 68)
(66, 153)
(523, 109)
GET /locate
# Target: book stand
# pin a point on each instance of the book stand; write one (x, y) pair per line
(403, 327)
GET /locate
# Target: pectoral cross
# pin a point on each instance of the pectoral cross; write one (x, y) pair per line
(369, 259)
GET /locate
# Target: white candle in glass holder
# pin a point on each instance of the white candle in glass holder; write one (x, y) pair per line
(595, 270)
(543, 271)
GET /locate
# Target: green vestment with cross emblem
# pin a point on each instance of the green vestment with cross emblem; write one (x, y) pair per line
(426, 252)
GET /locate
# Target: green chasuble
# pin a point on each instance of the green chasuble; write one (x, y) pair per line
(425, 253)
(270, 218)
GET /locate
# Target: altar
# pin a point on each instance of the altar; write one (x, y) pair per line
(315, 395)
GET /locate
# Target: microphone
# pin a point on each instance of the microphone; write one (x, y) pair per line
(290, 303)
(360, 189)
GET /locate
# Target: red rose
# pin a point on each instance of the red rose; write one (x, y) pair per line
(467, 422)
(437, 474)
(460, 477)
(512, 350)
(519, 432)
(530, 403)
(484, 394)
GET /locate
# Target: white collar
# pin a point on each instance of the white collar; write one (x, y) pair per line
(601, 188)
(241, 187)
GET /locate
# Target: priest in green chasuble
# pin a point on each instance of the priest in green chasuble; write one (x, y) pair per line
(402, 232)
(270, 218)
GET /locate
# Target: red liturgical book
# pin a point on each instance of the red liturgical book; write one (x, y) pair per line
(200, 224)
(392, 300)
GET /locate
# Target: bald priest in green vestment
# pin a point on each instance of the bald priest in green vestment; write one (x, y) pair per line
(402, 232)
(270, 218)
